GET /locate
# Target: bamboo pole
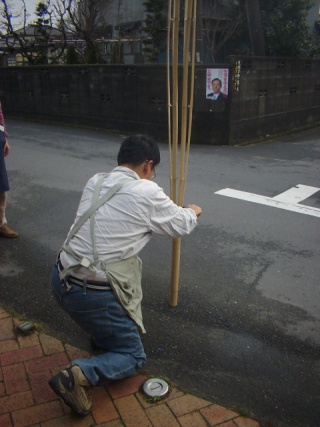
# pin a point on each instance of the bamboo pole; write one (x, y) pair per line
(191, 95)
(185, 100)
(175, 97)
(186, 123)
(169, 90)
(175, 263)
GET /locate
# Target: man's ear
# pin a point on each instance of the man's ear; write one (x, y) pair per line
(147, 166)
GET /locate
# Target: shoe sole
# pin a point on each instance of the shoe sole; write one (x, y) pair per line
(8, 236)
(54, 384)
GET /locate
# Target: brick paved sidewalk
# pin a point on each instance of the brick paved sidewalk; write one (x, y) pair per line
(28, 362)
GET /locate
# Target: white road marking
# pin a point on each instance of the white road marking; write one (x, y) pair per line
(282, 201)
(296, 194)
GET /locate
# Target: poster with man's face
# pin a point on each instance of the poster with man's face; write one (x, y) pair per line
(217, 84)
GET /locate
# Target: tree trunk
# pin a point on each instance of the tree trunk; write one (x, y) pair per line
(255, 27)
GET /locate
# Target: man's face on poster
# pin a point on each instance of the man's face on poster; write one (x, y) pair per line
(216, 85)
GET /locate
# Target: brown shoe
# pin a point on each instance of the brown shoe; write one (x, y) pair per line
(70, 385)
(5, 231)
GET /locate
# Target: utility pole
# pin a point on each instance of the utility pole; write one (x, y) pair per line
(255, 27)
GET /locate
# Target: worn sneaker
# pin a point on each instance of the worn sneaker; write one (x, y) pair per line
(69, 385)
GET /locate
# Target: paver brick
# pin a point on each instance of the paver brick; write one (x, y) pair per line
(216, 414)
(144, 401)
(41, 390)
(6, 329)
(227, 424)
(36, 414)
(15, 378)
(187, 403)
(47, 362)
(103, 409)
(15, 401)
(28, 340)
(161, 416)
(115, 423)
(75, 353)
(194, 419)
(131, 412)
(3, 314)
(21, 355)
(8, 345)
(246, 422)
(126, 386)
(50, 345)
(5, 420)
(71, 420)
(2, 389)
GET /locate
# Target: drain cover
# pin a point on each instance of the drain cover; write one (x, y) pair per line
(154, 387)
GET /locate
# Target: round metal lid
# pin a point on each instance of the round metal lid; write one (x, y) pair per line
(154, 387)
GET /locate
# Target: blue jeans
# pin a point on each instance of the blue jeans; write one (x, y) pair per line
(103, 317)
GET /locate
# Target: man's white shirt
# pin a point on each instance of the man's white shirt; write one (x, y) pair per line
(124, 225)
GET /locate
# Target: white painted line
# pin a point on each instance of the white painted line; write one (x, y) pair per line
(268, 201)
(296, 194)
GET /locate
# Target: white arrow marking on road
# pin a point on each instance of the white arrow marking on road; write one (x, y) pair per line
(288, 200)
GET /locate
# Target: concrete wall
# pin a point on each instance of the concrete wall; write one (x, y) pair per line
(273, 95)
(266, 96)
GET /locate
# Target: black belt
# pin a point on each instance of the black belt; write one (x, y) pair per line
(89, 284)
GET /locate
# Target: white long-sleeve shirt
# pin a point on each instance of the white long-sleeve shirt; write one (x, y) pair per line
(124, 225)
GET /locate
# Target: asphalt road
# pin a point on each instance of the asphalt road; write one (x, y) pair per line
(245, 333)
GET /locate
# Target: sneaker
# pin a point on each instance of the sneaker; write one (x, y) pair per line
(5, 231)
(69, 385)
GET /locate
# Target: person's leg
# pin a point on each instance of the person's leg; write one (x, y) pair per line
(3, 200)
(101, 315)
(120, 339)
(5, 231)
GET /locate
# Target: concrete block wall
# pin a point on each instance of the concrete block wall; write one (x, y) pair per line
(267, 96)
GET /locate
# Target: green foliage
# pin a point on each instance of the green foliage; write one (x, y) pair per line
(285, 29)
(72, 56)
(155, 26)
(43, 14)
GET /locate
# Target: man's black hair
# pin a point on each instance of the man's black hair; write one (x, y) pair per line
(218, 81)
(137, 149)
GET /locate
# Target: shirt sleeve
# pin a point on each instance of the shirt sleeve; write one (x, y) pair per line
(169, 219)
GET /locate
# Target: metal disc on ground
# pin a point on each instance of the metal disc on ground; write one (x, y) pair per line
(155, 387)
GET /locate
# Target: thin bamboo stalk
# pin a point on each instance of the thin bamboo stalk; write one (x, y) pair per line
(184, 105)
(193, 56)
(175, 98)
(169, 90)
(175, 263)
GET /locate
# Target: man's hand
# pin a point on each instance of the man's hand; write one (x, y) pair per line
(196, 209)
(6, 148)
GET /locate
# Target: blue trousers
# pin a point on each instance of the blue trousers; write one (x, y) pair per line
(4, 182)
(103, 317)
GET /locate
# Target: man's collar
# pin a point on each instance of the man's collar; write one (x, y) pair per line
(126, 171)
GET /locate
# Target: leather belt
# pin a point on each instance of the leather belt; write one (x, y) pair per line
(94, 285)
(89, 284)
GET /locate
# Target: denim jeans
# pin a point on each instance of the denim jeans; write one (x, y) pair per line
(103, 317)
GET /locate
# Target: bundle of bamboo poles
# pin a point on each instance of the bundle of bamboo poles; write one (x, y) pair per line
(179, 116)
